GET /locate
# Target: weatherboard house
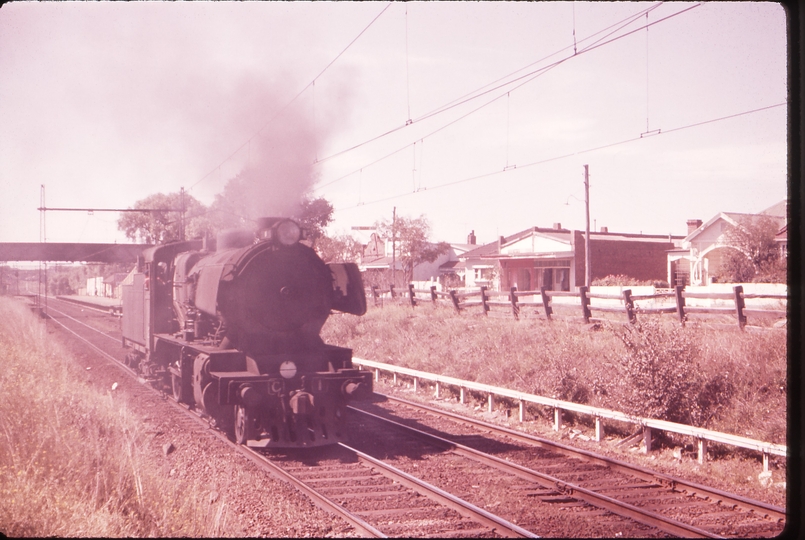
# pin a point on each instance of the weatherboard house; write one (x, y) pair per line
(377, 260)
(554, 258)
(698, 260)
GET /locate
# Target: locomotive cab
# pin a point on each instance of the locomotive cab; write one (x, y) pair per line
(235, 333)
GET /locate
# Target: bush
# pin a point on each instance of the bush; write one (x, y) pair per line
(619, 281)
(660, 371)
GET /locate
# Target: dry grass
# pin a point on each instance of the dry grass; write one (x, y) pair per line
(72, 461)
(737, 380)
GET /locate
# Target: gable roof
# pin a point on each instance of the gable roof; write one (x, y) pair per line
(733, 218)
(779, 209)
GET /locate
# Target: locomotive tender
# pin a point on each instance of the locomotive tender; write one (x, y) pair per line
(234, 332)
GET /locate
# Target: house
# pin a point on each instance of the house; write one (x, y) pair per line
(108, 287)
(697, 261)
(554, 258)
(377, 260)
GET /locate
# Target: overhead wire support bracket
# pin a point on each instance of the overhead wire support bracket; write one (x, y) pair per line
(650, 133)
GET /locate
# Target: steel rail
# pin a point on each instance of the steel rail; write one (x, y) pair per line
(598, 500)
(691, 488)
(116, 340)
(498, 524)
(260, 460)
(322, 501)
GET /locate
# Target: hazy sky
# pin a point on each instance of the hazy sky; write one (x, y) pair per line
(107, 103)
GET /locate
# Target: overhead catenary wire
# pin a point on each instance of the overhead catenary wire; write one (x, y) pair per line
(479, 92)
(282, 109)
(523, 79)
(570, 154)
(528, 78)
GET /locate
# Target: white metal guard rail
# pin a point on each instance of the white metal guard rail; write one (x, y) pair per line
(701, 435)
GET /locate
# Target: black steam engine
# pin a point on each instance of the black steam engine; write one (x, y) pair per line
(234, 332)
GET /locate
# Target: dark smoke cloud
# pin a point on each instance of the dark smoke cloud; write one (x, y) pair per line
(278, 163)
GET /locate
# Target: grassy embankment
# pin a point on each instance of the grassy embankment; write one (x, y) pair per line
(72, 459)
(724, 380)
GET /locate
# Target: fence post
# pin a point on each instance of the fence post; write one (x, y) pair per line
(515, 308)
(374, 293)
(739, 305)
(680, 304)
(585, 303)
(391, 290)
(701, 451)
(433, 293)
(629, 305)
(546, 302)
(454, 298)
(411, 294)
(484, 298)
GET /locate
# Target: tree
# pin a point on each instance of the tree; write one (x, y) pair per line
(165, 226)
(339, 248)
(411, 238)
(244, 199)
(755, 255)
(314, 215)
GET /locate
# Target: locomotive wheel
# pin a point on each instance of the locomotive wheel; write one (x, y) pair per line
(176, 384)
(244, 422)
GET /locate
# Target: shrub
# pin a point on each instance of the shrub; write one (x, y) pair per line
(660, 372)
(619, 281)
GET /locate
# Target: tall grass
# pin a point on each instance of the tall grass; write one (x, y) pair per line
(725, 380)
(72, 460)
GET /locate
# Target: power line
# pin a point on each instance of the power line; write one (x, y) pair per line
(308, 85)
(478, 92)
(528, 78)
(570, 154)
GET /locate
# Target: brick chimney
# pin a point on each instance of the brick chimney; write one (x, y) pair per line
(694, 224)
(557, 226)
(604, 229)
(471, 238)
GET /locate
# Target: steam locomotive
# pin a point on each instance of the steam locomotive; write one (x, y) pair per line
(234, 333)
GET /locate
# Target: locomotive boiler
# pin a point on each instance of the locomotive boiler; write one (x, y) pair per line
(234, 333)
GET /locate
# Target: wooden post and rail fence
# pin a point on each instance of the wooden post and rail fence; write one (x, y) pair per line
(543, 298)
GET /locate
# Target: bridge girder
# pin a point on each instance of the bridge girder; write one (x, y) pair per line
(71, 252)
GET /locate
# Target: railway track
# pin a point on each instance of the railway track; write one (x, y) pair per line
(537, 478)
(362, 480)
(560, 474)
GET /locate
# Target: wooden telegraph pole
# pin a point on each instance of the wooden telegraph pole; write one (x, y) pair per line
(394, 247)
(587, 279)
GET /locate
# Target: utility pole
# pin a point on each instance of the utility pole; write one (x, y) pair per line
(394, 246)
(587, 279)
(181, 218)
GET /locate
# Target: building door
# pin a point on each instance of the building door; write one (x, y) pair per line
(524, 281)
(547, 278)
(562, 279)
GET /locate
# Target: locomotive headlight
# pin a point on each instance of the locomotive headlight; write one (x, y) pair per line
(287, 369)
(288, 233)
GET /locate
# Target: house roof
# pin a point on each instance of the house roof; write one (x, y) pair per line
(733, 218)
(563, 235)
(779, 209)
(379, 262)
(540, 255)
